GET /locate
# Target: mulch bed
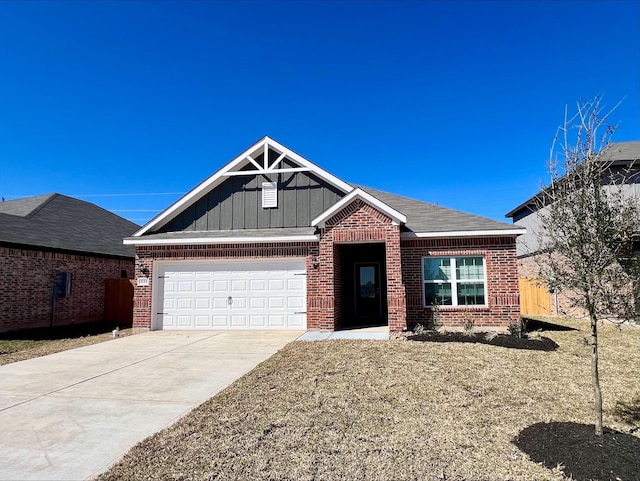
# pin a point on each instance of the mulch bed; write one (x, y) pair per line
(538, 343)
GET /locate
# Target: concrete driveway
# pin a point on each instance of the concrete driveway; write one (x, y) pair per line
(70, 415)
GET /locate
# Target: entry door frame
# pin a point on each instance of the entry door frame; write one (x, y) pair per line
(378, 283)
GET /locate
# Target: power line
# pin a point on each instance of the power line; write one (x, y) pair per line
(127, 195)
(105, 195)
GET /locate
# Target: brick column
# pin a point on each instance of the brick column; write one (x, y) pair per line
(396, 300)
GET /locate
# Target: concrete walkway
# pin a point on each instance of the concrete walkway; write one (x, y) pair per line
(377, 333)
(70, 415)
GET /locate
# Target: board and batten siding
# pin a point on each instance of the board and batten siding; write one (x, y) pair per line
(236, 204)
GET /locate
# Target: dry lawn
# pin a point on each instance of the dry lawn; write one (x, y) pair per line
(405, 410)
(23, 345)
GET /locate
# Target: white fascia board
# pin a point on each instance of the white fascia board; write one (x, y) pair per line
(464, 233)
(221, 240)
(397, 217)
(208, 184)
(323, 174)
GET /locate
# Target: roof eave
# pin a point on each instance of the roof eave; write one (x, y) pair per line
(143, 241)
(77, 252)
(469, 233)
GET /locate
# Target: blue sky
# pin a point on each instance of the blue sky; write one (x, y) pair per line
(454, 103)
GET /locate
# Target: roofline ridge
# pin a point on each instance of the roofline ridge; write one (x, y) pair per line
(46, 202)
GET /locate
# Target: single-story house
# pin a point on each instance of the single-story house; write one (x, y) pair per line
(273, 241)
(55, 254)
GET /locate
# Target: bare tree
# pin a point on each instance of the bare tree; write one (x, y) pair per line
(588, 220)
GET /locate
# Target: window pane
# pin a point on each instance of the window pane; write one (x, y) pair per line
(437, 269)
(471, 294)
(469, 268)
(440, 291)
(367, 282)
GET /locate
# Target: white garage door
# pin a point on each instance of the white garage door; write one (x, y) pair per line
(231, 295)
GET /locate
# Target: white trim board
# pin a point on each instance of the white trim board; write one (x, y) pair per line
(396, 216)
(235, 165)
(464, 233)
(313, 238)
(142, 241)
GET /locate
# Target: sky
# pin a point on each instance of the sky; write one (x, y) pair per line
(130, 105)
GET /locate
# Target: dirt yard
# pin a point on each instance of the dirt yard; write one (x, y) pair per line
(407, 410)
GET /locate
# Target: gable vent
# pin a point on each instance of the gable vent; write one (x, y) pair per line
(269, 195)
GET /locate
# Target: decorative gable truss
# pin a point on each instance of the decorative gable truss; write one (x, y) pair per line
(263, 159)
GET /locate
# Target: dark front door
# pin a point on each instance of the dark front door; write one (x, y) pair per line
(368, 305)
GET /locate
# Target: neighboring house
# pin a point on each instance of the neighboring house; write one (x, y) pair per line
(624, 157)
(56, 244)
(272, 241)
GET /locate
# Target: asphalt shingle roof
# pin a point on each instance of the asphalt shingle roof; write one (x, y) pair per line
(430, 218)
(618, 152)
(622, 151)
(56, 221)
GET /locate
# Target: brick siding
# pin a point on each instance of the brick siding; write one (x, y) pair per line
(503, 303)
(360, 223)
(356, 223)
(26, 282)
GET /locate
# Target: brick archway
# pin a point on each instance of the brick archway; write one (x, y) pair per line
(357, 222)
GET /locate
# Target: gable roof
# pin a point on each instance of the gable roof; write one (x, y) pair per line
(615, 152)
(55, 221)
(238, 166)
(357, 193)
(417, 218)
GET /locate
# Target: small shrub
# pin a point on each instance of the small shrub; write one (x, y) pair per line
(515, 329)
(419, 329)
(490, 336)
(468, 323)
(518, 329)
(434, 322)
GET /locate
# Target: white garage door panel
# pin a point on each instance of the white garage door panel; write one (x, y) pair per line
(231, 295)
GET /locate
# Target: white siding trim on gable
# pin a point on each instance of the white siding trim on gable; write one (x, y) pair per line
(234, 166)
(396, 216)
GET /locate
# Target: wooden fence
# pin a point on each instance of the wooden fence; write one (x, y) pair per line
(118, 301)
(534, 297)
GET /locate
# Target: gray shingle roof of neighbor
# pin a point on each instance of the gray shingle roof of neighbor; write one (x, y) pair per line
(55, 221)
(430, 218)
(622, 151)
(615, 152)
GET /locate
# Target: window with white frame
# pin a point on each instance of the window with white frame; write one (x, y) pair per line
(454, 281)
